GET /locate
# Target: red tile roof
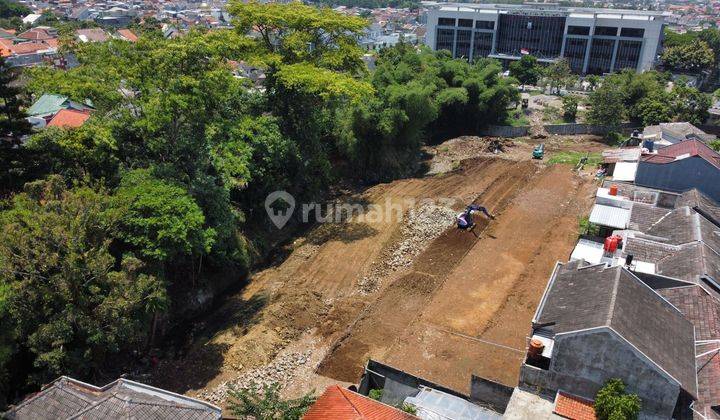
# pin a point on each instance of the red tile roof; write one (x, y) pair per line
(35, 34)
(337, 403)
(69, 118)
(29, 47)
(128, 35)
(572, 407)
(688, 147)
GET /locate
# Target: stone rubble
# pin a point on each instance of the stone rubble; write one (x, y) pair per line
(280, 371)
(420, 226)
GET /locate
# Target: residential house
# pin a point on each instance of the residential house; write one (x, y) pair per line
(127, 35)
(68, 398)
(45, 108)
(337, 403)
(33, 19)
(595, 323)
(91, 35)
(681, 167)
(666, 134)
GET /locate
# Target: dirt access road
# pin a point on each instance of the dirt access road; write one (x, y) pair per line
(414, 293)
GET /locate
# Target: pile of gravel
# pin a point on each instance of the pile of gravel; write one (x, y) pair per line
(280, 371)
(420, 226)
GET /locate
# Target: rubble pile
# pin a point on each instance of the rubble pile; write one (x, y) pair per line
(280, 371)
(420, 226)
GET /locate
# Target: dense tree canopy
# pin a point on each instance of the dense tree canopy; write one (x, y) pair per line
(526, 70)
(161, 192)
(644, 98)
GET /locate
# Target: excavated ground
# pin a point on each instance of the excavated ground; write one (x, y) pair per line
(409, 290)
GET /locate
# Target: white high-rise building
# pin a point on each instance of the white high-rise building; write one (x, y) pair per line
(595, 41)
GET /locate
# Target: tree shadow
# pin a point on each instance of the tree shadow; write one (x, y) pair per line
(344, 232)
(193, 359)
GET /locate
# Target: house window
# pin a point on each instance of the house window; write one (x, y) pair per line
(446, 21)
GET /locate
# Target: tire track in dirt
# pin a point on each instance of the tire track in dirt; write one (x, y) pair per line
(400, 303)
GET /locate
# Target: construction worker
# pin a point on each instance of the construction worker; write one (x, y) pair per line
(465, 219)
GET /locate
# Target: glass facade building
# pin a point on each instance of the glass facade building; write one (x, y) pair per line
(594, 41)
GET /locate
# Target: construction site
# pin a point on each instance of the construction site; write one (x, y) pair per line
(412, 291)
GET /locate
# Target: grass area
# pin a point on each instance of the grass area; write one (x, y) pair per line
(574, 157)
(517, 118)
(553, 115)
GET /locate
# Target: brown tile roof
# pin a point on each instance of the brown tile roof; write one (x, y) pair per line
(128, 35)
(573, 407)
(337, 403)
(704, 312)
(92, 35)
(35, 35)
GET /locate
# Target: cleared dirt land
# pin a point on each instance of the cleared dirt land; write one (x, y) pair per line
(414, 293)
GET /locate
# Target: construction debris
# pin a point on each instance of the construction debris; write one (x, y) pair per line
(420, 226)
(280, 371)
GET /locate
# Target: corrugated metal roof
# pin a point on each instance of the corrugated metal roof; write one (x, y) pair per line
(47, 104)
(610, 216)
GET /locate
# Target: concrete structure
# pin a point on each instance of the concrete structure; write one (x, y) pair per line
(595, 41)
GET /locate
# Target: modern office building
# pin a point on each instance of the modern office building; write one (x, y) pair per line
(595, 41)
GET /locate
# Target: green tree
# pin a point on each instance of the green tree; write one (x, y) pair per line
(655, 108)
(694, 56)
(66, 297)
(10, 8)
(558, 74)
(159, 220)
(526, 70)
(607, 105)
(690, 104)
(12, 119)
(613, 403)
(267, 403)
(570, 107)
(296, 33)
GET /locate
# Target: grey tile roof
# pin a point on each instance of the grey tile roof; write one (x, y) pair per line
(595, 296)
(67, 398)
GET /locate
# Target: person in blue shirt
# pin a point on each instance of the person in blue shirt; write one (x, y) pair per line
(465, 219)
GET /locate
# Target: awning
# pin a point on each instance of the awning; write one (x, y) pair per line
(625, 171)
(614, 217)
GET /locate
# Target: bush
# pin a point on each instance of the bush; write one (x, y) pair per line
(715, 145)
(267, 404)
(570, 107)
(613, 403)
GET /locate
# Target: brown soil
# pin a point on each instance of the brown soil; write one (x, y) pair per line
(464, 305)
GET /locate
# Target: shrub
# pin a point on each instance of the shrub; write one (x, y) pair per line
(613, 403)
